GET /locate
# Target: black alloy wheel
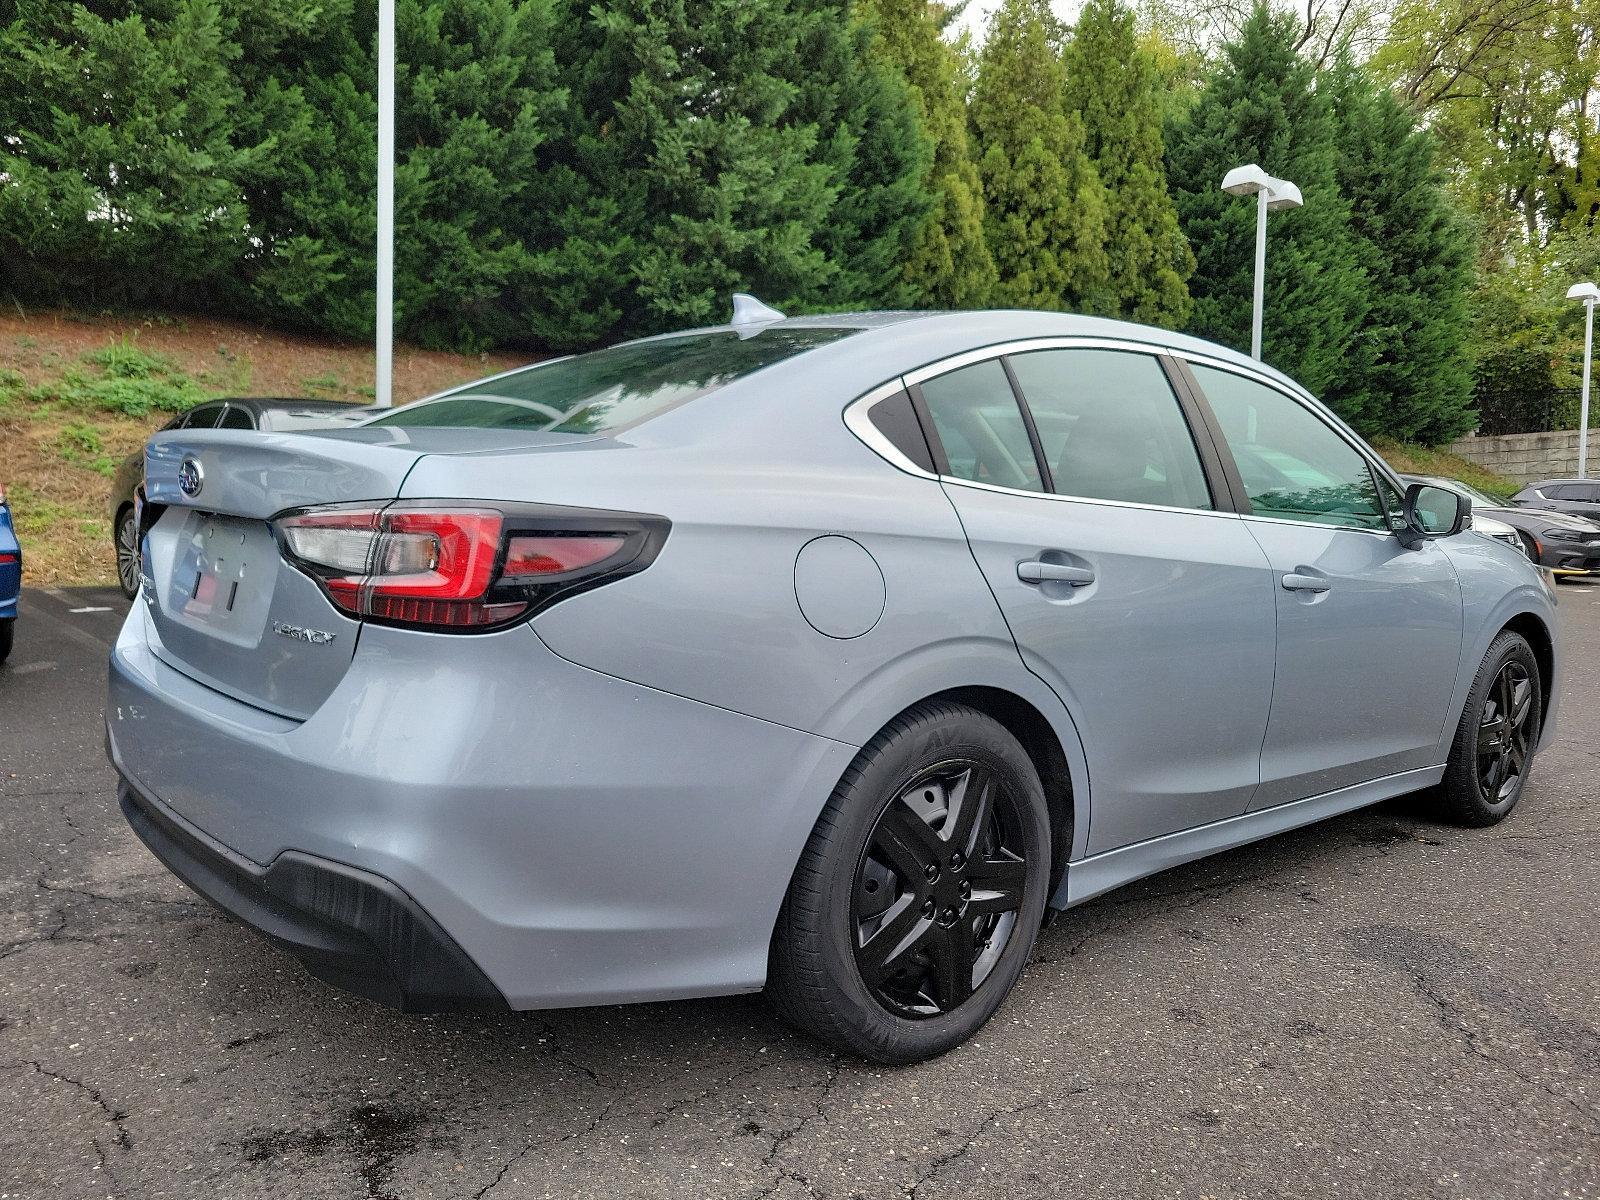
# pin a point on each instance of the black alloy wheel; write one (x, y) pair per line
(916, 902)
(938, 889)
(1505, 733)
(127, 538)
(1495, 740)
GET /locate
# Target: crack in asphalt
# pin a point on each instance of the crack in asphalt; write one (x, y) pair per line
(115, 1117)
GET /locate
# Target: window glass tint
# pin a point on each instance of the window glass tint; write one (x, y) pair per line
(204, 417)
(235, 418)
(610, 389)
(980, 427)
(1111, 428)
(1293, 466)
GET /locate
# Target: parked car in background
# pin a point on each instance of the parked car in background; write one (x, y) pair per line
(1564, 542)
(271, 414)
(818, 655)
(1580, 497)
(10, 577)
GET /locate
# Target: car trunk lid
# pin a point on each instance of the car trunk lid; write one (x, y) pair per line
(225, 607)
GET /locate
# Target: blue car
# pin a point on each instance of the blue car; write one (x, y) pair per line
(10, 577)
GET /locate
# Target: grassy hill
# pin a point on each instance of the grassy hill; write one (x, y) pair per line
(78, 393)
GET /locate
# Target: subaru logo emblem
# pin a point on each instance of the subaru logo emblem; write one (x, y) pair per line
(190, 477)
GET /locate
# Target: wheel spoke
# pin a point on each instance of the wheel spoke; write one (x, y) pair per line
(907, 842)
(970, 813)
(903, 927)
(951, 952)
(997, 884)
(1522, 703)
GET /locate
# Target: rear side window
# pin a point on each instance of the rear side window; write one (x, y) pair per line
(1110, 427)
(1294, 466)
(611, 389)
(980, 427)
(236, 418)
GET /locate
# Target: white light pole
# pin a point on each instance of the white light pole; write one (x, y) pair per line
(1271, 195)
(1589, 294)
(383, 373)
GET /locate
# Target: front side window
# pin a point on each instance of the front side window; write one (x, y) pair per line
(203, 418)
(1294, 466)
(609, 390)
(1110, 427)
(980, 427)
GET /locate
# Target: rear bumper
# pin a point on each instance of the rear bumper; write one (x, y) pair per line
(351, 928)
(579, 838)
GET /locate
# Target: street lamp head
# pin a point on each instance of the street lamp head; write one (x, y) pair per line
(1587, 292)
(1283, 194)
(1246, 181)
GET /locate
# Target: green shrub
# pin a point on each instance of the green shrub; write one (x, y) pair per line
(124, 360)
(80, 444)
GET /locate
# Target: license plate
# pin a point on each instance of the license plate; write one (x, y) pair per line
(225, 564)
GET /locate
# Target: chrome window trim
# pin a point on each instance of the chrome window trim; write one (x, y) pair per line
(860, 424)
(855, 413)
(855, 418)
(952, 481)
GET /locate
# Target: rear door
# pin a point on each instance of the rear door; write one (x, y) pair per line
(1369, 633)
(1128, 586)
(225, 607)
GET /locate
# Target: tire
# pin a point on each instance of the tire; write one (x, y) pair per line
(856, 894)
(8, 628)
(125, 540)
(1491, 756)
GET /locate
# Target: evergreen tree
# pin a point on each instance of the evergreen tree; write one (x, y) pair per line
(1044, 205)
(1408, 375)
(735, 145)
(879, 155)
(1261, 105)
(1111, 84)
(120, 160)
(950, 262)
(475, 99)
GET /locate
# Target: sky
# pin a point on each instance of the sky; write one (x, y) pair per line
(977, 14)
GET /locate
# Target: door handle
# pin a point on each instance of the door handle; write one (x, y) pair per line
(1034, 571)
(1295, 582)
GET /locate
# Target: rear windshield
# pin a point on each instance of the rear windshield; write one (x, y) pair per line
(612, 389)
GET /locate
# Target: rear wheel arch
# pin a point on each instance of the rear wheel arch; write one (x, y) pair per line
(1025, 722)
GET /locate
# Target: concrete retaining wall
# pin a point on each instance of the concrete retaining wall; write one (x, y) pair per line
(1526, 457)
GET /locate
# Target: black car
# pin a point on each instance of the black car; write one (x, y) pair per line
(1564, 542)
(271, 414)
(1580, 497)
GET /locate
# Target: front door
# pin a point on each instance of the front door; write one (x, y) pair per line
(1369, 633)
(1147, 610)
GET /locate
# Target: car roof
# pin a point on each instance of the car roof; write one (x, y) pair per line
(1546, 482)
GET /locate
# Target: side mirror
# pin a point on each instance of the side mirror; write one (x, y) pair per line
(1432, 512)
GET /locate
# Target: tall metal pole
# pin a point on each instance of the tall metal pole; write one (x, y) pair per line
(1261, 273)
(382, 392)
(1583, 409)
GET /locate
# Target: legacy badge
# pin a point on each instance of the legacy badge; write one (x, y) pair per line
(317, 637)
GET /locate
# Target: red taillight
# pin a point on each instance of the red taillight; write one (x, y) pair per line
(555, 554)
(445, 567)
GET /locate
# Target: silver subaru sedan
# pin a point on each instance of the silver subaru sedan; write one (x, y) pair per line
(817, 655)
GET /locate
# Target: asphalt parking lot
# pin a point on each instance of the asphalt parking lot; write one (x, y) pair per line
(1376, 1006)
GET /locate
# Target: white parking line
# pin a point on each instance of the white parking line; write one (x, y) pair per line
(91, 608)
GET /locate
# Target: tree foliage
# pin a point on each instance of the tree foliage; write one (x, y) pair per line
(1110, 84)
(949, 263)
(1407, 374)
(1261, 105)
(1044, 205)
(120, 160)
